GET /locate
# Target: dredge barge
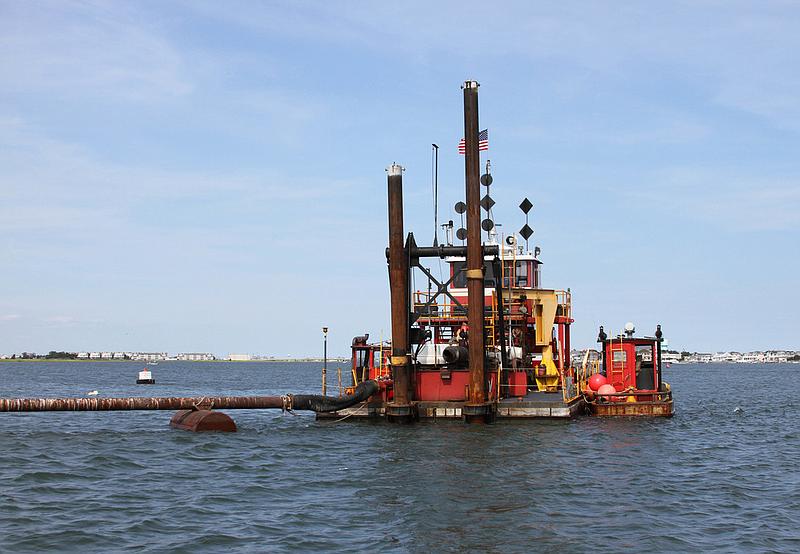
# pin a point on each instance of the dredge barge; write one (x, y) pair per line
(487, 343)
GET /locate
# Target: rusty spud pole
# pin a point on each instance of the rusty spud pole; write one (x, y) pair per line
(399, 409)
(475, 411)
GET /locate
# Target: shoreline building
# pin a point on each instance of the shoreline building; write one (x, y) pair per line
(196, 357)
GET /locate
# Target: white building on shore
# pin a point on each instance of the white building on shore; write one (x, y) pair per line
(727, 357)
(196, 357)
(148, 356)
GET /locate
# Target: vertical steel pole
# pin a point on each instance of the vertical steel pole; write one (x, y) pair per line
(475, 269)
(325, 363)
(658, 355)
(436, 197)
(399, 409)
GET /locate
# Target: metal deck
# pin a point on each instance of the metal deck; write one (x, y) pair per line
(535, 404)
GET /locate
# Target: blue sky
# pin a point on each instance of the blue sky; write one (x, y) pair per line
(209, 176)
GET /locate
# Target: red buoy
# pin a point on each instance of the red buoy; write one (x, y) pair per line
(604, 391)
(596, 381)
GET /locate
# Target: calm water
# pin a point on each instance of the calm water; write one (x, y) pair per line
(720, 476)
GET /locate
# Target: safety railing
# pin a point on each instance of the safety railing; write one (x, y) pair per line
(635, 396)
(564, 300)
(585, 371)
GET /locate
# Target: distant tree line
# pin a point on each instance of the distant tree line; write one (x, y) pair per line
(53, 355)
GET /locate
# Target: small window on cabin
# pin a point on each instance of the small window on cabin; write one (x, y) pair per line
(488, 277)
(459, 270)
(619, 356)
(521, 274)
(460, 280)
(507, 274)
(361, 357)
(644, 353)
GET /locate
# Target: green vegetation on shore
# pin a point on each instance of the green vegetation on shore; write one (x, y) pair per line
(53, 355)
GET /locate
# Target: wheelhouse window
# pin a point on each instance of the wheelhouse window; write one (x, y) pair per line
(489, 281)
(521, 274)
(459, 270)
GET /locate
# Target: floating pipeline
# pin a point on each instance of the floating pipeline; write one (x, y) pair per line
(111, 404)
(195, 413)
(321, 403)
(313, 402)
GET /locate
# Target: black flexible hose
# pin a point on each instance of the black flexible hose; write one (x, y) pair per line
(321, 403)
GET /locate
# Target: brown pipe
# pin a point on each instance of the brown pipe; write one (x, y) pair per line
(398, 283)
(313, 402)
(475, 271)
(104, 404)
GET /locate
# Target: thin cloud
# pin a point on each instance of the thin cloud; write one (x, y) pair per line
(60, 321)
(89, 49)
(733, 202)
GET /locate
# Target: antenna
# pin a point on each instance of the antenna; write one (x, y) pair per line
(435, 194)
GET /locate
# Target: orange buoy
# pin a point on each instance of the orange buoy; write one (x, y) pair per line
(604, 392)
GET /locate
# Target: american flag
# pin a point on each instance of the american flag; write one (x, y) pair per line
(483, 142)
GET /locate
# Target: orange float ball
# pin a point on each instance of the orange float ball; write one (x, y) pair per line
(596, 381)
(604, 391)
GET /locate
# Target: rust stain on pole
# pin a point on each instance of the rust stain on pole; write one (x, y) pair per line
(398, 277)
(475, 292)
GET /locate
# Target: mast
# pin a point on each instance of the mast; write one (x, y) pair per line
(436, 195)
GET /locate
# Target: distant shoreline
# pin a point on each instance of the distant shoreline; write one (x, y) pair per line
(140, 362)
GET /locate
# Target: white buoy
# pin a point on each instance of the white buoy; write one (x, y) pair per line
(145, 378)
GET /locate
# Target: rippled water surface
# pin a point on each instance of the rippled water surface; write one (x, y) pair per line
(720, 476)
